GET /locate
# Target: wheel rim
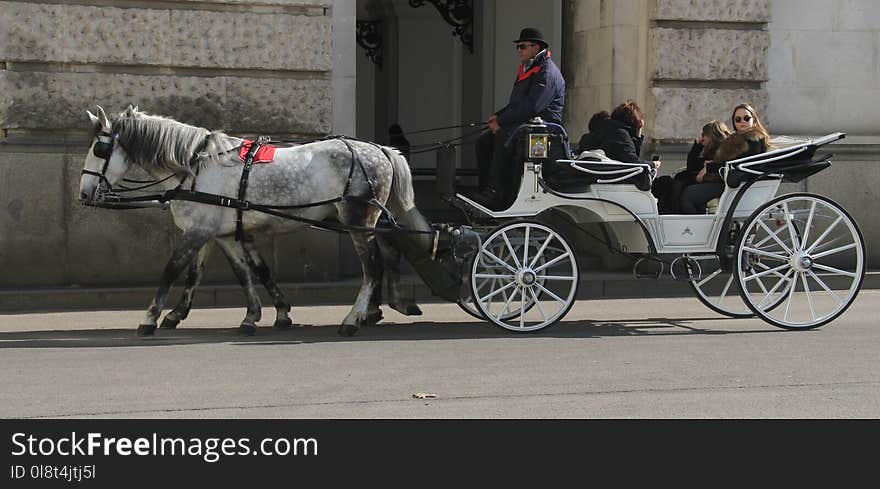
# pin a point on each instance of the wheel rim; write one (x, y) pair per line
(803, 253)
(524, 277)
(717, 289)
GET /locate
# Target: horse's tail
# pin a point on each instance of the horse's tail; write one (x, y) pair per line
(402, 197)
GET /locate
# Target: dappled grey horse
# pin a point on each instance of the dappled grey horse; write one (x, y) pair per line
(356, 179)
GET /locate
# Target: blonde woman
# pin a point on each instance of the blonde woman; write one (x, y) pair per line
(749, 138)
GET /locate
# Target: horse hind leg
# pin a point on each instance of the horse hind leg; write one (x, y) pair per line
(180, 259)
(193, 277)
(374, 312)
(258, 266)
(390, 257)
(238, 261)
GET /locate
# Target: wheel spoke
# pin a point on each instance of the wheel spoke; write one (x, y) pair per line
(825, 286)
(768, 237)
(506, 305)
(492, 275)
(809, 223)
(499, 260)
(556, 277)
(765, 253)
(541, 251)
(553, 261)
(790, 295)
(496, 292)
(784, 279)
(809, 296)
(774, 236)
(835, 250)
(823, 235)
(526, 247)
(795, 243)
(835, 270)
(709, 277)
(522, 307)
(551, 294)
(510, 249)
(538, 303)
(724, 290)
(765, 272)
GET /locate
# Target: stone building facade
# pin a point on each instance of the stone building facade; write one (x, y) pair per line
(246, 67)
(292, 68)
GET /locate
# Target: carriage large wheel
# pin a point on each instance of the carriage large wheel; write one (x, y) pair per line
(803, 252)
(717, 289)
(524, 277)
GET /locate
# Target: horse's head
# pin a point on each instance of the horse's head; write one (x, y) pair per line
(106, 161)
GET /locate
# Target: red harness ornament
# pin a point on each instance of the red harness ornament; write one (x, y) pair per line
(265, 153)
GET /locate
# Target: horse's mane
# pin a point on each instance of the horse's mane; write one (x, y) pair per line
(153, 141)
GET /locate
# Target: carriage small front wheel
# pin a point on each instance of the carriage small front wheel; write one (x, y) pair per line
(524, 277)
(804, 253)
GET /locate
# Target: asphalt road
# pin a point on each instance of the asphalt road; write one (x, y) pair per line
(623, 358)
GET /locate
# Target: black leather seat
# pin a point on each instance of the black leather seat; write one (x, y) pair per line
(576, 176)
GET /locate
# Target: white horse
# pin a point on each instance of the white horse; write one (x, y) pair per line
(354, 178)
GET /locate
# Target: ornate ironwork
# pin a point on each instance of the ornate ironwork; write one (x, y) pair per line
(369, 37)
(457, 13)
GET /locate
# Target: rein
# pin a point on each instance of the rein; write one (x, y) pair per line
(114, 201)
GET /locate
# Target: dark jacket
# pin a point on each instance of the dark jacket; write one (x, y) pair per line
(539, 90)
(617, 140)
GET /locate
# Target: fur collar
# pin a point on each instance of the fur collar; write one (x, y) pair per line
(752, 142)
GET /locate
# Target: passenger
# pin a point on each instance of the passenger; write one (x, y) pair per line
(749, 139)
(700, 168)
(620, 136)
(590, 139)
(539, 90)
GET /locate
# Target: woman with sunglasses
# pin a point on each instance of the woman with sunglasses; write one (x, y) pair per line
(749, 139)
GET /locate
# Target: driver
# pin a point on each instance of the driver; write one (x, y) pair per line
(539, 90)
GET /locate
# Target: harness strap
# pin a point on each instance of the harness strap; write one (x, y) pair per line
(242, 188)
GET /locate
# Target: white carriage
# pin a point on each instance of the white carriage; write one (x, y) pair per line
(796, 260)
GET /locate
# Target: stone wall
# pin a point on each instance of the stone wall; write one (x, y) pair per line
(247, 67)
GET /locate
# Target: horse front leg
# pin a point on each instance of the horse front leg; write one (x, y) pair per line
(180, 259)
(258, 266)
(238, 259)
(358, 316)
(193, 277)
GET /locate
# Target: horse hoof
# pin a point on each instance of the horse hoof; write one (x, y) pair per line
(407, 310)
(283, 323)
(347, 330)
(247, 329)
(146, 329)
(169, 323)
(373, 317)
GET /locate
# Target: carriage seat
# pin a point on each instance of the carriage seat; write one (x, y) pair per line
(576, 176)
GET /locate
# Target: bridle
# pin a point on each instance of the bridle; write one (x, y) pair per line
(104, 150)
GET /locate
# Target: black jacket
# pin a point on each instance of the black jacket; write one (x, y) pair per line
(539, 90)
(616, 139)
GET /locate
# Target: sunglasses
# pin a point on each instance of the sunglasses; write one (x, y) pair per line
(746, 118)
(523, 46)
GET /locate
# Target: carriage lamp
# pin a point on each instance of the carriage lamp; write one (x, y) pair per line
(538, 145)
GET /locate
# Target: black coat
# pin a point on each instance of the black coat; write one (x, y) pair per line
(539, 90)
(616, 139)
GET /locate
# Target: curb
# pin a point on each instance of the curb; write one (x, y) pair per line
(593, 285)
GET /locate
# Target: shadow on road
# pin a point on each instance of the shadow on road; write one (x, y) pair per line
(419, 331)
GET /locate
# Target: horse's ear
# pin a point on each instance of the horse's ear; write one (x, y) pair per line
(130, 111)
(102, 118)
(95, 121)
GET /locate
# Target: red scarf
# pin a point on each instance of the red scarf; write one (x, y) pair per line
(523, 74)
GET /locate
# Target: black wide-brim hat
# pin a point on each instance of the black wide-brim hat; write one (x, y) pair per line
(532, 34)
